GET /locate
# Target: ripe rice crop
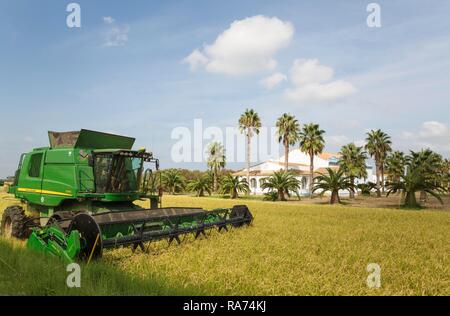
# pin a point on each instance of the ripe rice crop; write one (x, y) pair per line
(290, 249)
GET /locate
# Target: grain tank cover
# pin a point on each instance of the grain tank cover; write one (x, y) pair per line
(89, 140)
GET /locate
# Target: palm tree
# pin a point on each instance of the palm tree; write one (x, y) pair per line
(395, 165)
(249, 123)
(430, 163)
(419, 177)
(288, 133)
(233, 185)
(311, 143)
(353, 163)
(444, 172)
(333, 182)
(172, 180)
(282, 182)
(378, 144)
(200, 185)
(151, 182)
(366, 188)
(216, 161)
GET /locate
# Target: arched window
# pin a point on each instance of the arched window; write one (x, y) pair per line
(253, 182)
(304, 183)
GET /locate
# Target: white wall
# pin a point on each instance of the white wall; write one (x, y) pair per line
(258, 191)
(305, 185)
(297, 156)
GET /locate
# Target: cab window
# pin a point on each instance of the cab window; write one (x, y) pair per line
(35, 165)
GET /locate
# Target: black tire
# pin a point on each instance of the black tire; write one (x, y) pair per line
(14, 223)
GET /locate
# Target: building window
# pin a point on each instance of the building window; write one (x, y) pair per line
(253, 183)
(304, 183)
(35, 165)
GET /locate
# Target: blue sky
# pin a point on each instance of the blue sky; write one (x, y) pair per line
(123, 70)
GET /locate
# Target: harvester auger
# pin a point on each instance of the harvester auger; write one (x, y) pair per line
(82, 189)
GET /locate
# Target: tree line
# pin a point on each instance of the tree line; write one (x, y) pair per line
(396, 172)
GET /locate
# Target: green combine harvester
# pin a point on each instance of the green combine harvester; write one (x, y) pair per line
(81, 190)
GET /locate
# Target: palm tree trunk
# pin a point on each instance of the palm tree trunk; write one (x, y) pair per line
(377, 171)
(281, 195)
(286, 156)
(352, 193)
(334, 197)
(248, 159)
(410, 199)
(382, 178)
(233, 194)
(311, 174)
(423, 196)
(215, 179)
(402, 195)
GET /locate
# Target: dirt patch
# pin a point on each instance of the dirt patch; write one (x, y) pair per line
(393, 201)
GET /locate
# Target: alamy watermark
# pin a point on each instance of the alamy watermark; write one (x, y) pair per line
(73, 280)
(374, 17)
(374, 278)
(74, 17)
(191, 144)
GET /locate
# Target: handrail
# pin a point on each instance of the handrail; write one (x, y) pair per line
(86, 178)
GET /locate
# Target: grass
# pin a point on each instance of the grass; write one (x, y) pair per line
(27, 273)
(291, 249)
(393, 201)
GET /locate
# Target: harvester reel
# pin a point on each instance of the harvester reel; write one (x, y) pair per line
(90, 236)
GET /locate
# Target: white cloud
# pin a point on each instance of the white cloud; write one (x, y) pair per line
(305, 71)
(431, 134)
(407, 135)
(116, 35)
(246, 47)
(433, 129)
(196, 59)
(311, 83)
(360, 142)
(272, 81)
(108, 20)
(321, 92)
(337, 140)
(340, 140)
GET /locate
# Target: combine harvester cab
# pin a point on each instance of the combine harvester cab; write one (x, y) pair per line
(82, 190)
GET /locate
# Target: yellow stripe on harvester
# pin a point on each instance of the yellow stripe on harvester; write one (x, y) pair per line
(43, 192)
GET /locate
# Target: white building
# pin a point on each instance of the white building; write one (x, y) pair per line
(299, 163)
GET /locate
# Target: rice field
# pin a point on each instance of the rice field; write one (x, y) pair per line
(291, 249)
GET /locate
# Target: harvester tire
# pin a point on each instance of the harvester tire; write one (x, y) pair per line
(14, 223)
